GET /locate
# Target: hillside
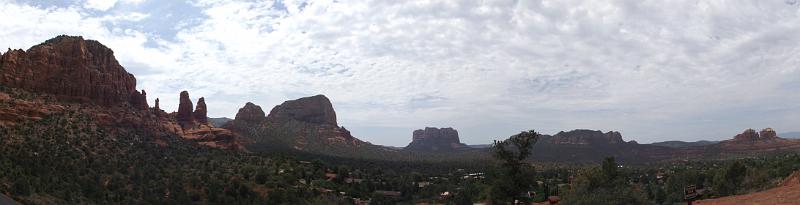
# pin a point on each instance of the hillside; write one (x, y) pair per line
(786, 193)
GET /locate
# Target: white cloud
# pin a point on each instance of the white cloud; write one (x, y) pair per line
(101, 5)
(652, 69)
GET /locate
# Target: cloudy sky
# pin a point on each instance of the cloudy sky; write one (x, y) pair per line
(654, 70)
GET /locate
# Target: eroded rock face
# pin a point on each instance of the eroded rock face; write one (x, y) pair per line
(315, 109)
(435, 139)
(200, 112)
(185, 113)
(250, 113)
(70, 68)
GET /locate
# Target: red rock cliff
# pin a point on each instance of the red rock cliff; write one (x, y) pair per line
(70, 68)
(315, 109)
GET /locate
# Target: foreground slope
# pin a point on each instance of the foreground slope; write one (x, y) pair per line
(787, 193)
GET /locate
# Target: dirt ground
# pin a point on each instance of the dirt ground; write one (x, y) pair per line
(786, 194)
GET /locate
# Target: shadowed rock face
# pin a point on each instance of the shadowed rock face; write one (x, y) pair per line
(200, 112)
(185, 108)
(435, 139)
(70, 68)
(587, 137)
(315, 109)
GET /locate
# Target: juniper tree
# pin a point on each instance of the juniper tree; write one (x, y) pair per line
(515, 174)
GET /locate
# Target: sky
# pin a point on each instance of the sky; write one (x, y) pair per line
(653, 70)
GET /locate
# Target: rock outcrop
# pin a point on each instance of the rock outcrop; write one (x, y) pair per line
(70, 68)
(200, 112)
(435, 139)
(185, 108)
(768, 133)
(250, 113)
(747, 135)
(139, 100)
(315, 109)
(584, 137)
(752, 135)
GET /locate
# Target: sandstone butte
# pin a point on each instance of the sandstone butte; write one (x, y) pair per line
(435, 139)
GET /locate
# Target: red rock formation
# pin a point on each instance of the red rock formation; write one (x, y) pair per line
(200, 113)
(315, 109)
(435, 139)
(250, 113)
(768, 133)
(139, 100)
(185, 108)
(585, 137)
(747, 135)
(71, 68)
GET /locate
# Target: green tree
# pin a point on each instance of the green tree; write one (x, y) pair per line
(604, 185)
(515, 175)
(728, 179)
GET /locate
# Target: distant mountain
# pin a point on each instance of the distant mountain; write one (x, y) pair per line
(592, 146)
(219, 121)
(589, 146)
(308, 125)
(305, 124)
(681, 144)
(433, 139)
(791, 135)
